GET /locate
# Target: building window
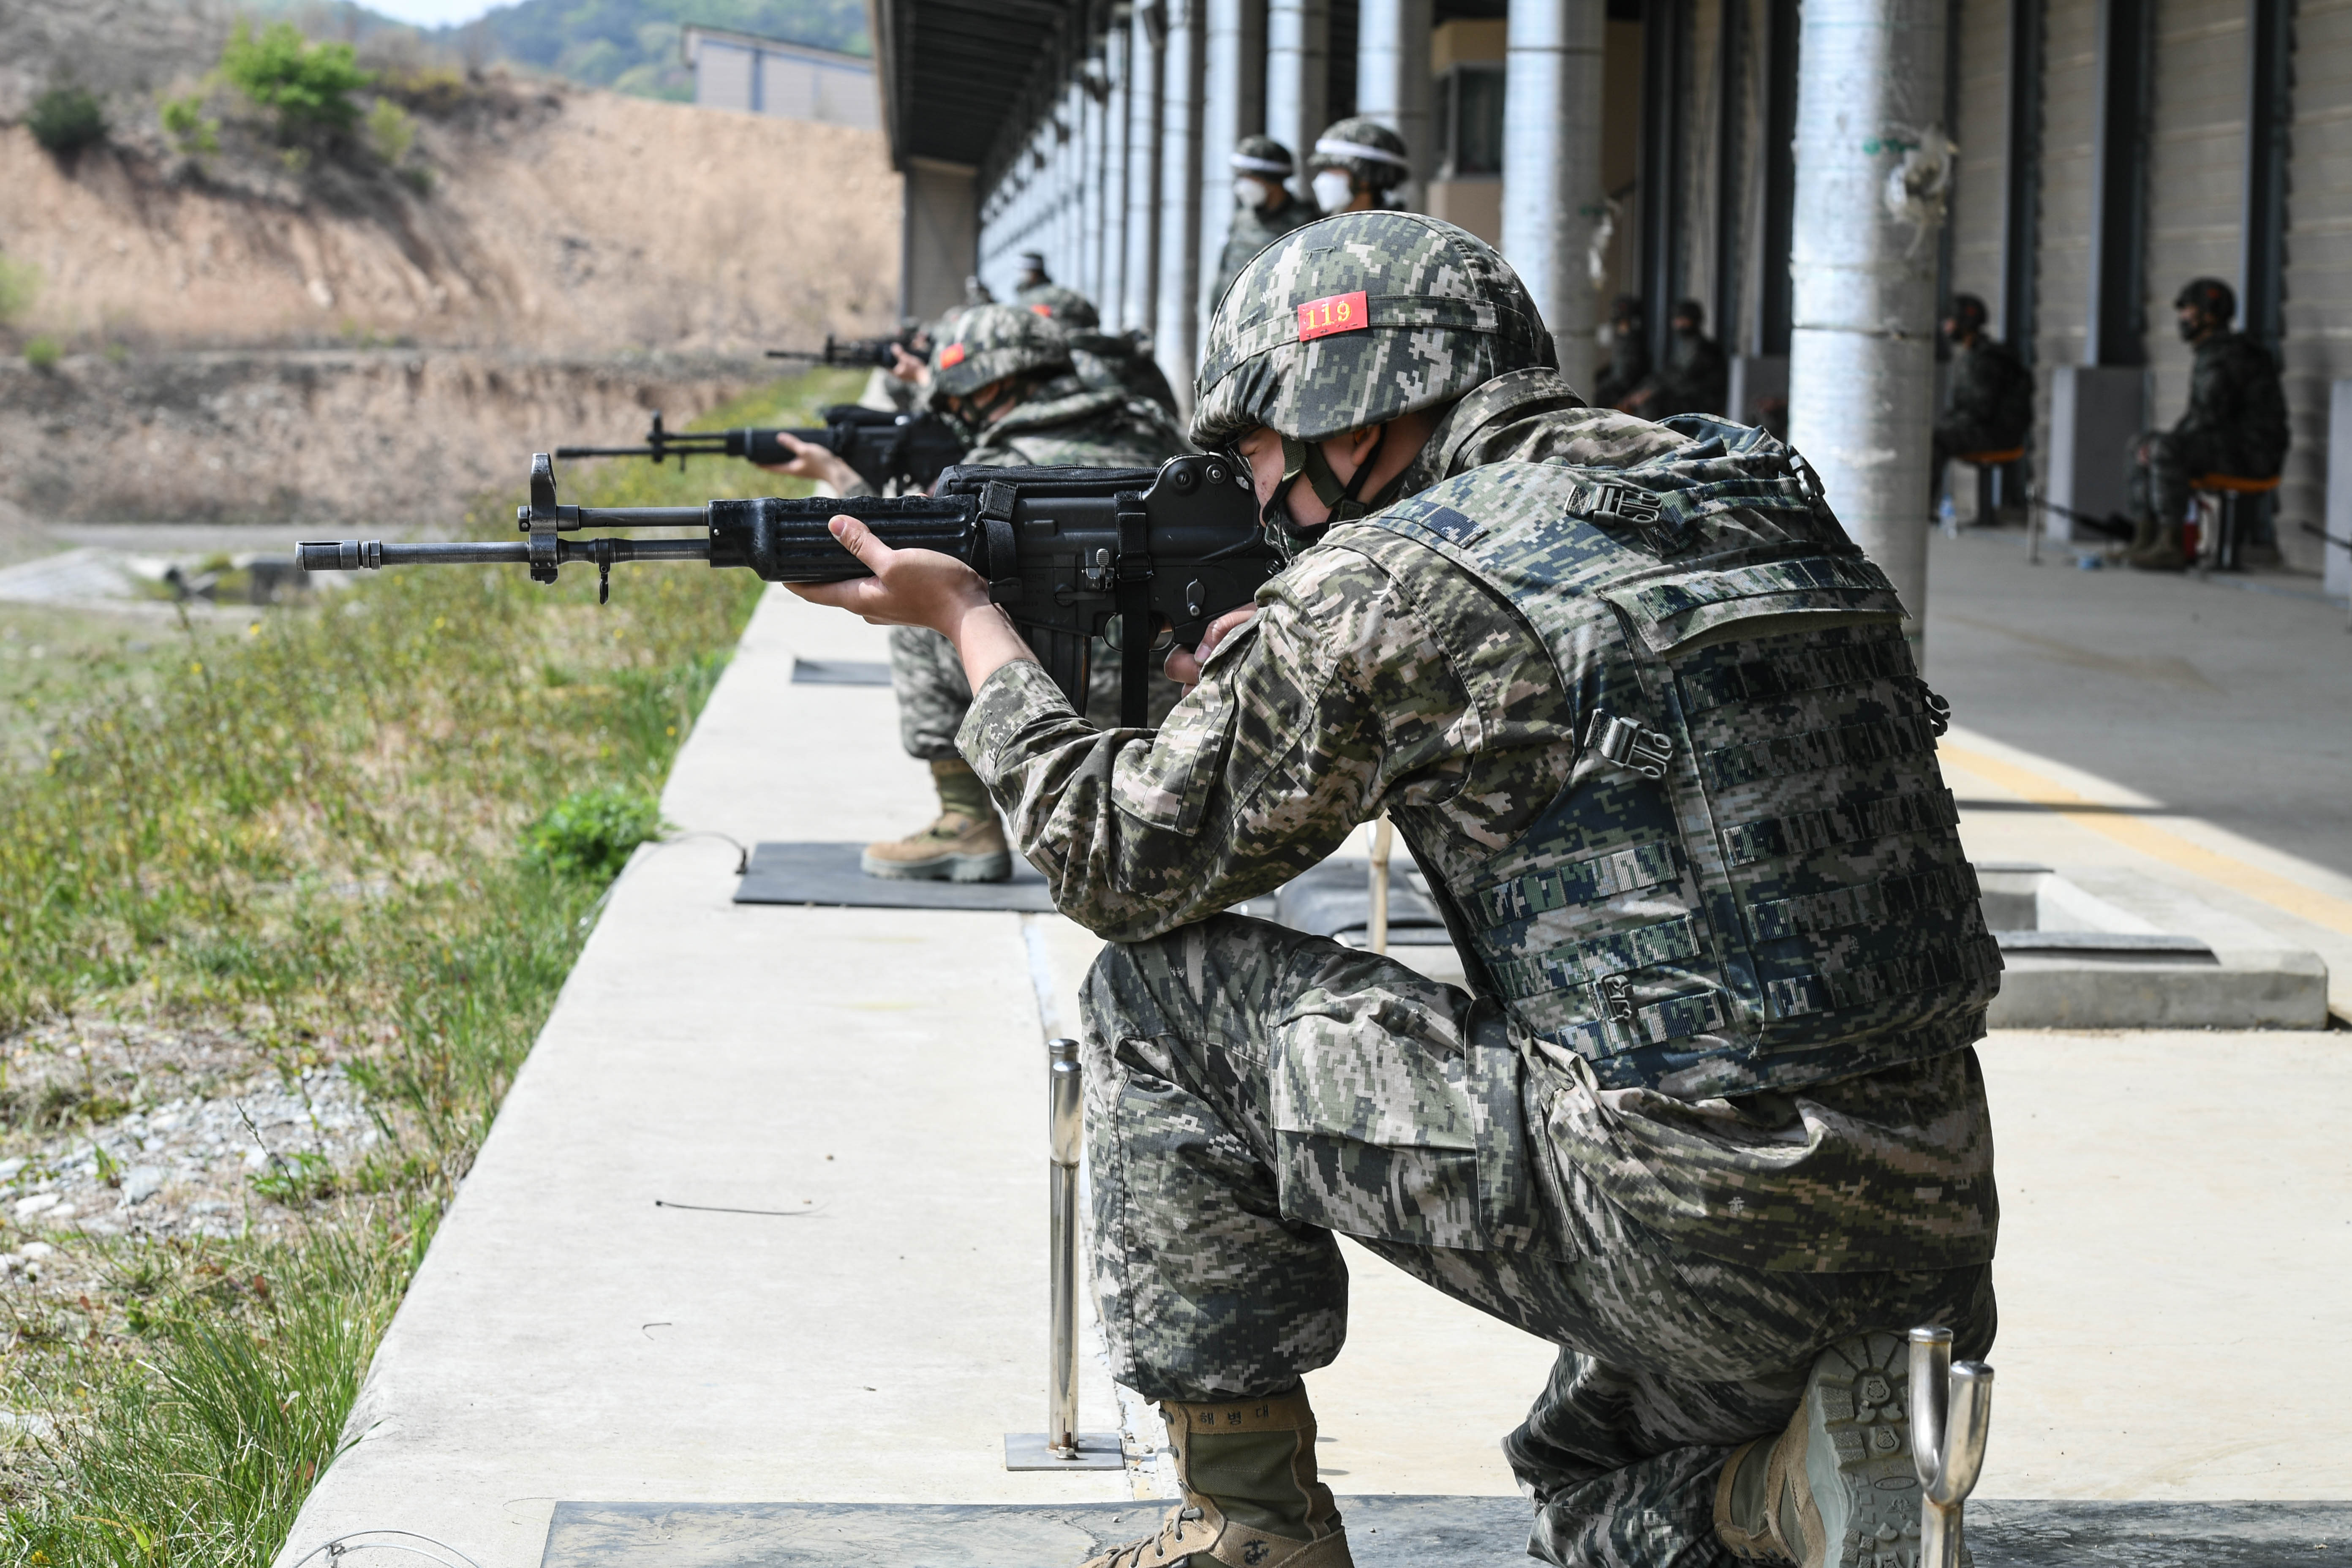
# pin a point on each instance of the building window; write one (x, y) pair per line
(1470, 120)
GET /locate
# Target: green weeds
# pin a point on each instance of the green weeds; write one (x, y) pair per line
(369, 833)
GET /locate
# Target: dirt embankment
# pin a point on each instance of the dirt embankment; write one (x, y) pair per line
(404, 436)
(252, 340)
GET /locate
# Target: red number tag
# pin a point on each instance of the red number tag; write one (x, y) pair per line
(1333, 314)
(951, 356)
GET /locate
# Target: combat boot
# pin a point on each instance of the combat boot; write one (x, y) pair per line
(1837, 1488)
(1250, 1497)
(2163, 553)
(964, 843)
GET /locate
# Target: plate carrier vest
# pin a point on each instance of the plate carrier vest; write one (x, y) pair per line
(1753, 879)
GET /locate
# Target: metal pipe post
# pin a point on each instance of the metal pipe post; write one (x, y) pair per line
(1179, 197)
(1063, 1104)
(1951, 1415)
(1552, 199)
(1392, 80)
(1298, 77)
(1140, 308)
(1873, 167)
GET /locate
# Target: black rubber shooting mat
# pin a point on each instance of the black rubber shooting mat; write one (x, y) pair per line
(840, 672)
(828, 874)
(1382, 1533)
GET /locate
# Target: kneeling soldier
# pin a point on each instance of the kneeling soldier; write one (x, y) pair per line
(1708, 1115)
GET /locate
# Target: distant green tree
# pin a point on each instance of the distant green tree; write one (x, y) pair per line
(66, 119)
(308, 85)
(632, 45)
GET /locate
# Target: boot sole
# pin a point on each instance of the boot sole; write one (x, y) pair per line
(1858, 1468)
(997, 867)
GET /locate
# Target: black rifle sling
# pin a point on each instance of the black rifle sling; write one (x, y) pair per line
(1134, 600)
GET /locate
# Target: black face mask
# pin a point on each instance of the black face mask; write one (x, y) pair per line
(2191, 329)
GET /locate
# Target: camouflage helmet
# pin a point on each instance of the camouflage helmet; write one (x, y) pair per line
(1066, 307)
(2210, 295)
(1263, 157)
(988, 342)
(1356, 318)
(1370, 153)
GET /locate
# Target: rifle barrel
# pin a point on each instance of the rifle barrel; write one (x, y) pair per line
(370, 554)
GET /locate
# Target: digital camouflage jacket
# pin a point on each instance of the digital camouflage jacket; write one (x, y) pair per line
(1991, 395)
(1254, 229)
(2235, 398)
(1381, 675)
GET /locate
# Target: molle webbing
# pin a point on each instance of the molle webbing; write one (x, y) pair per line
(1818, 751)
(1848, 822)
(1970, 958)
(1585, 881)
(1614, 1040)
(1888, 898)
(1814, 669)
(1587, 962)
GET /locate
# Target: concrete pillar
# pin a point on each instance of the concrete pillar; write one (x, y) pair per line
(1552, 197)
(1071, 155)
(1116, 127)
(1140, 307)
(1298, 77)
(939, 240)
(1090, 231)
(1392, 80)
(1873, 166)
(1179, 197)
(1233, 102)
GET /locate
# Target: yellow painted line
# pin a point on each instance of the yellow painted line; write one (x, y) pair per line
(2279, 892)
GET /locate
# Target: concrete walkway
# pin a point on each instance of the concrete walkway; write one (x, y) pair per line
(2175, 1230)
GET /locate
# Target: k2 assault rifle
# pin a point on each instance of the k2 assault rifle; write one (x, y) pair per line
(907, 448)
(875, 352)
(1066, 551)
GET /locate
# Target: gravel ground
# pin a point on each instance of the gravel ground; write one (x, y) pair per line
(153, 1134)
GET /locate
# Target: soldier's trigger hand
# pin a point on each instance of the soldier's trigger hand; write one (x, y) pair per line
(907, 367)
(811, 461)
(1183, 666)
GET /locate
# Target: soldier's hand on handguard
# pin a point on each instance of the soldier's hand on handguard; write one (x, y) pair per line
(811, 461)
(1183, 665)
(922, 588)
(907, 367)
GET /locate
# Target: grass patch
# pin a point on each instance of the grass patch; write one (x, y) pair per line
(369, 837)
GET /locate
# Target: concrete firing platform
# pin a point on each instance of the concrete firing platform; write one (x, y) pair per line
(1382, 1533)
(2174, 1248)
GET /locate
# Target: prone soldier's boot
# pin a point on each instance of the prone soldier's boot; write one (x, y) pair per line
(964, 843)
(1251, 1497)
(1837, 1488)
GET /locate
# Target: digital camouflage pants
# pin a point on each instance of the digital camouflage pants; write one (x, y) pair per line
(1252, 1089)
(934, 695)
(2163, 462)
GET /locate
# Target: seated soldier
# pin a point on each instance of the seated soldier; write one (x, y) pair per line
(2236, 424)
(1990, 408)
(1629, 353)
(1002, 374)
(1708, 1115)
(1104, 361)
(1695, 378)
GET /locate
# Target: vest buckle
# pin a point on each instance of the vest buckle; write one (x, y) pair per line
(1626, 744)
(1637, 507)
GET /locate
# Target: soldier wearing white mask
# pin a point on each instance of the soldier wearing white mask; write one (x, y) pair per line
(1356, 162)
(1264, 210)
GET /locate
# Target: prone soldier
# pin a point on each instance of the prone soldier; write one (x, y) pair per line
(1708, 1115)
